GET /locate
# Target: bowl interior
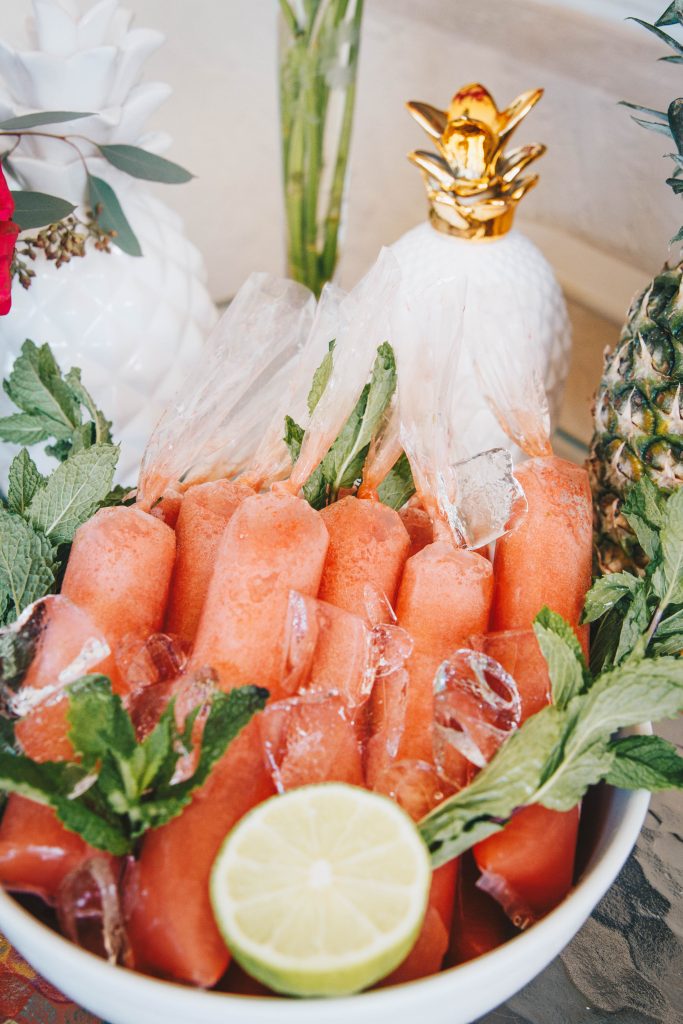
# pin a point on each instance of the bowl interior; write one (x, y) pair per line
(611, 822)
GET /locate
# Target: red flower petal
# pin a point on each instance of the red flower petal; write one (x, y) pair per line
(6, 201)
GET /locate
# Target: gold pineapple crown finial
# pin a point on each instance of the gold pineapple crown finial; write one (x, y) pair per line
(472, 185)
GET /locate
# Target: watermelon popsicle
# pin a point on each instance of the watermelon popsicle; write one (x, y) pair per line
(117, 578)
(368, 548)
(36, 851)
(274, 543)
(204, 514)
(119, 572)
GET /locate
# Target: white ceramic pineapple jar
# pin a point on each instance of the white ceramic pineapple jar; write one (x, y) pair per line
(473, 187)
(133, 324)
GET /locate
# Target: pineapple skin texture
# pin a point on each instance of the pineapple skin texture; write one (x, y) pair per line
(638, 416)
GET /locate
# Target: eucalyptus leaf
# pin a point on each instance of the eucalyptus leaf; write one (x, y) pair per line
(27, 121)
(140, 163)
(38, 209)
(109, 215)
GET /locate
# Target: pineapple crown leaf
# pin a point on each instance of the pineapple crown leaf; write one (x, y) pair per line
(673, 15)
(671, 122)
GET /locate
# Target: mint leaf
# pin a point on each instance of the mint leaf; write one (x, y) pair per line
(509, 781)
(645, 762)
(607, 591)
(398, 486)
(27, 569)
(294, 437)
(101, 426)
(35, 385)
(22, 428)
(605, 639)
(562, 652)
(667, 579)
(343, 464)
(556, 754)
(24, 481)
(643, 511)
(17, 649)
(99, 723)
(320, 379)
(635, 622)
(668, 637)
(96, 826)
(73, 492)
(121, 787)
(628, 695)
(43, 783)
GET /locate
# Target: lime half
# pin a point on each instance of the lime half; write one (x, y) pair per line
(321, 891)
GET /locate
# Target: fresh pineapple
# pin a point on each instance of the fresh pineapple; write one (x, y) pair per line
(639, 405)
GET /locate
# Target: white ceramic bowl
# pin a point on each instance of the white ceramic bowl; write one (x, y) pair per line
(456, 996)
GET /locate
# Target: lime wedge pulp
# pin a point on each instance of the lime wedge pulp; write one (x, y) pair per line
(321, 891)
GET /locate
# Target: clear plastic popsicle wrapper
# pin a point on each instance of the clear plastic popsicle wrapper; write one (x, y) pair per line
(477, 499)
(218, 419)
(363, 325)
(511, 378)
(272, 460)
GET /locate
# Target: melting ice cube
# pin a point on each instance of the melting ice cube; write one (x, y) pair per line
(476, 707)
(89, 909)
(310, 738)
(489, 500)
(414, 785)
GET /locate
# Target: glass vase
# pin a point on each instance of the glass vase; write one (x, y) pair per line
(319, 42)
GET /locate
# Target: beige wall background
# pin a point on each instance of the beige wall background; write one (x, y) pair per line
(602, 212)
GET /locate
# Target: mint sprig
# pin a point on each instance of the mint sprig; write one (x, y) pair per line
(636, 675)
(342, 466)
(40, 515)
(641, 615)
(119, 787)
(556, 755)
(52, 405)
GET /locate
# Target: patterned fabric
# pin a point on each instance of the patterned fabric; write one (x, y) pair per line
(25, 998)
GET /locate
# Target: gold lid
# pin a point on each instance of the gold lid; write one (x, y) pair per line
(472, 185)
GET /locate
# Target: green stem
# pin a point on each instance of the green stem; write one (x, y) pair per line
(304, 103)
(333, 218)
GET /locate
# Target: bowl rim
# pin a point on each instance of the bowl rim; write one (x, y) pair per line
(599, 874)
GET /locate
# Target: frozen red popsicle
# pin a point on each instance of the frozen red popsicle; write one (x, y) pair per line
(119, 572)
(529, 866)
(546, 560)
(170, 922)
(368, 548)
(36, 851)
(205, 512)
(273, 544)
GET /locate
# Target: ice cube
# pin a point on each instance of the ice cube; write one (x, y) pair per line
(51, 644)
(378, 608)
(386, 722)
(414, 785)
(89, 909)
(476, 707)
(327, 650)
(489, 501)
(517, 650)
(310, 738)
(159, 658)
